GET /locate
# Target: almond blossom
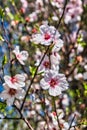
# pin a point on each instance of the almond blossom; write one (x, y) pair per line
(20, 55)
(57, 3)
(46, 35)
(55, 82)
(45, 65)
(15, 82)
(63, 124)
(73, 11)
(9, 94)
(58, 44)
(48, 62)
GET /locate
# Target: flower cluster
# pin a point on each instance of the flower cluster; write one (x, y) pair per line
(13, 86)
(53, 80)
(73, 11)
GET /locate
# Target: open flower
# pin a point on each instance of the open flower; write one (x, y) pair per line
(9, 94)
(46, 35)
(21, 56)
(55, 82)
(45, 65)
(73, 11)
(16, 81)
(63, 124)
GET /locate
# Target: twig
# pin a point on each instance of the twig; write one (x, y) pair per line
(71, 122)
(17, 118)
(23, 118)
(62, 13)
(72, 69)
(10, 118)
(56, 113)
(33, 79)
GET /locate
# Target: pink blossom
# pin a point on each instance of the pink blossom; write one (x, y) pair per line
(46, 35)
(9, 94)
(55, 82)
(21, 56)
(73, 11)
(17, 81)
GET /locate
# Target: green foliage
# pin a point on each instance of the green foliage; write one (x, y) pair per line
(1, 38)
(81, 42)
(2, 14)
(2, 107)
(32, 70)
(5, 60)
(85, 85)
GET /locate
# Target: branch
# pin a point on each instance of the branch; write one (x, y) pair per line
(72, 122)
(56, 113)
(33, 79)
(23, 118)
(62, 13)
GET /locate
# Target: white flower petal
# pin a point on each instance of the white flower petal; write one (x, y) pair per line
(4, 95)
(20, 94)
(44, 84)
(16, 50)
(10, 101)
(20, 77)
(24, 55)
(54, 92)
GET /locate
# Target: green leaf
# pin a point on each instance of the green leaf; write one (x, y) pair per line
(1, 38)
(32, 70)
(2, 106)
(85, 86)
(10, 15)
(81, 42)
(2, 13)
(84, 121)
(5, 60)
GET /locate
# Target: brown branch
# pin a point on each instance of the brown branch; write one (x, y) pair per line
(72, 69)
(56, 114)
(72, 121)
(23, 118)
(33, 78)
(62, 13)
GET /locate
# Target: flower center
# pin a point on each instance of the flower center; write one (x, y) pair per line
(52, 83)
(12, 91)
(47, 36)
(46, 64)
(61, 125)
(13, 80)
(72, 16)
(54, 113)
(18, 56)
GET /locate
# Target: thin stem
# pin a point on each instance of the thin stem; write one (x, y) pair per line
(71, 122)
(72, 69)
(23, 118)
(10, 118)
(33, 79)
(46, 114)
(28, 124)
(62, 13)
(17, 118)
(56, 113)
